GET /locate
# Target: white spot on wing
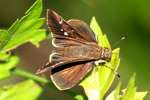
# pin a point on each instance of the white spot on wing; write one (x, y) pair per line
(61, 21)
(65, 33)
(61, 30)
(61, 62)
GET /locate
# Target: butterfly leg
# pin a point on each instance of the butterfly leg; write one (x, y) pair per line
(99, 62)
(107, 65)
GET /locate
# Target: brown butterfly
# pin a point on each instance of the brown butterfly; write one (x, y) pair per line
(74, 53)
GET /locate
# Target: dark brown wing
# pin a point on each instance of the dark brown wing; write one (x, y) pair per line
(83, 29)
(66, 34)
(72, 30)
(57, 59)
(69, 77)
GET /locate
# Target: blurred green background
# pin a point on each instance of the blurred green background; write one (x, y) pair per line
(116, 18)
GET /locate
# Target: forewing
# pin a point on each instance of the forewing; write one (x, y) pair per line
(66, 34)
(83, 29)
(70, 75)
(72, 32)
(59, 27)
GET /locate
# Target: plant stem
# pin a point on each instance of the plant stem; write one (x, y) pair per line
(26, 74)
(23, 73)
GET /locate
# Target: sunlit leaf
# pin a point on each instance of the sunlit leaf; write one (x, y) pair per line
(99, 81)
(130, 90)
(79, 97)
(3, 35)
(114, 95)
(6, 66)
(24, 30)
(101, 38)
(140, 95)
(131, 93)
(4, 56)
(27, 90)
(117, 92)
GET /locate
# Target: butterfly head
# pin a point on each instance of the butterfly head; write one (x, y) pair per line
(106, 54)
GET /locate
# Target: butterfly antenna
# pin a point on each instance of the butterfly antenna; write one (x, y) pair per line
(121, 39)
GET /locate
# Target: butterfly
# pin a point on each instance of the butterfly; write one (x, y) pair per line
(75, 51)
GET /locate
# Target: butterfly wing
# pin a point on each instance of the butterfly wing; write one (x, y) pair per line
(69, 77)
(83, 29)
(59, 27)
(72, 30)
(66, 34)
(70, 33)
(57, 60)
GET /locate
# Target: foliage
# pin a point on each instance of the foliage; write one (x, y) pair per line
(27, 29)
(99, 81)
(21, 31)
(24, 30)
(21, 91)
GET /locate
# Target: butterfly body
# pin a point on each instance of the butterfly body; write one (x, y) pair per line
(74, 51)
(85, 51)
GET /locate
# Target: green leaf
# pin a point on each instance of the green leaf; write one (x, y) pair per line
(79, 97)
(6, 66)
(4, 56)
(27, 90)
(130, 92)
(131, 89)
(3, 35)
(100, 37)
(37, 38)
(91, 85)
(140, 95)
(100, 79)
(114, 95)
(24, 30)
(25, 37)
(117, 91)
